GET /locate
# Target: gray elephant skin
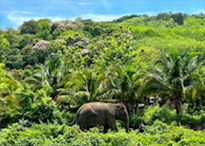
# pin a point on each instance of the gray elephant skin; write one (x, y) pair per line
(94, 114)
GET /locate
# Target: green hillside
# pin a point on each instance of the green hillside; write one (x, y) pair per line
(155, 65)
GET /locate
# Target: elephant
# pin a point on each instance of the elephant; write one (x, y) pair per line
(101, 114)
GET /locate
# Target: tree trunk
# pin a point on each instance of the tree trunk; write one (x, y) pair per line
(179, 106)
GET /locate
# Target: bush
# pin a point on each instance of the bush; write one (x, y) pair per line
(62, 135)
(42, 108)
(150, 114)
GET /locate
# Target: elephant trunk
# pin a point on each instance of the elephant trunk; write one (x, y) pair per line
(127, 124)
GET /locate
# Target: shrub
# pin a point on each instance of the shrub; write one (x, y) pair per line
(150, 114)
(56, 135)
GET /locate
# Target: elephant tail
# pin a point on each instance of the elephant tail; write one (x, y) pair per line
(74, 121)
(76, 117)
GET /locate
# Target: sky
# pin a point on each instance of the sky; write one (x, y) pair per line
(14, 12)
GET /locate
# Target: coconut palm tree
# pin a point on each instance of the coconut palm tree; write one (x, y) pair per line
(82, 86)
(53, 74)
(173, 75)
(124, 84)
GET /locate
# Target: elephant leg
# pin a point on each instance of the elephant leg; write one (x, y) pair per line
(112, 125)
(83, 127)
(105, 128)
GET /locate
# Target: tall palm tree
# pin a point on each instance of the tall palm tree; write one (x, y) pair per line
(82, 86)
(124, 84)
(172, 76)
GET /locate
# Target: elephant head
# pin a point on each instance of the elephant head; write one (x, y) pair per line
(122, 114)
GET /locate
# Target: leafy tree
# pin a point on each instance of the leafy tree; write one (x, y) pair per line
(29, 59)
(165, 16)
(126, 18)
(94, 31)
(179, 18)
(14, 59)
(26, 39)
(44, 29)
(4, 44)
(12, 37)
(29, 27)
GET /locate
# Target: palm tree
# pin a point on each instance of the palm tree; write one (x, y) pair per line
(173, 75)
(195, 87)
(82, 86)
(53, 74)
(124, 84)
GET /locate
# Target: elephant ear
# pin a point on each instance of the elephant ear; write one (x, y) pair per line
(120, 111)
(121, 106)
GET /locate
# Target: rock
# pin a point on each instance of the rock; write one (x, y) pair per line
(41, 45)
(85, 41)
(70, 24)
(60, 40)
(20, 26)
(66, 24)
(74, 40)
(127, 35)
(101, 42)
(63, 24)
(84, 52)
(78, 19)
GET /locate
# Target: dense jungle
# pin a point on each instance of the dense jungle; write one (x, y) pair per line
(154, 65)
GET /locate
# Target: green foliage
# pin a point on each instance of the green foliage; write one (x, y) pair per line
(9, 89)
(4, 44)
(53, 134)
(128, 60)
(141, 32)
(175, 77)
(70, 32)
(29, 27)
(36, 107)
(164, 114)
(29, 57)
(44, 29)
(178, 17)
(126, 18)
(14, 59)
(26, 39)
(94, 31)
(12, 37)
